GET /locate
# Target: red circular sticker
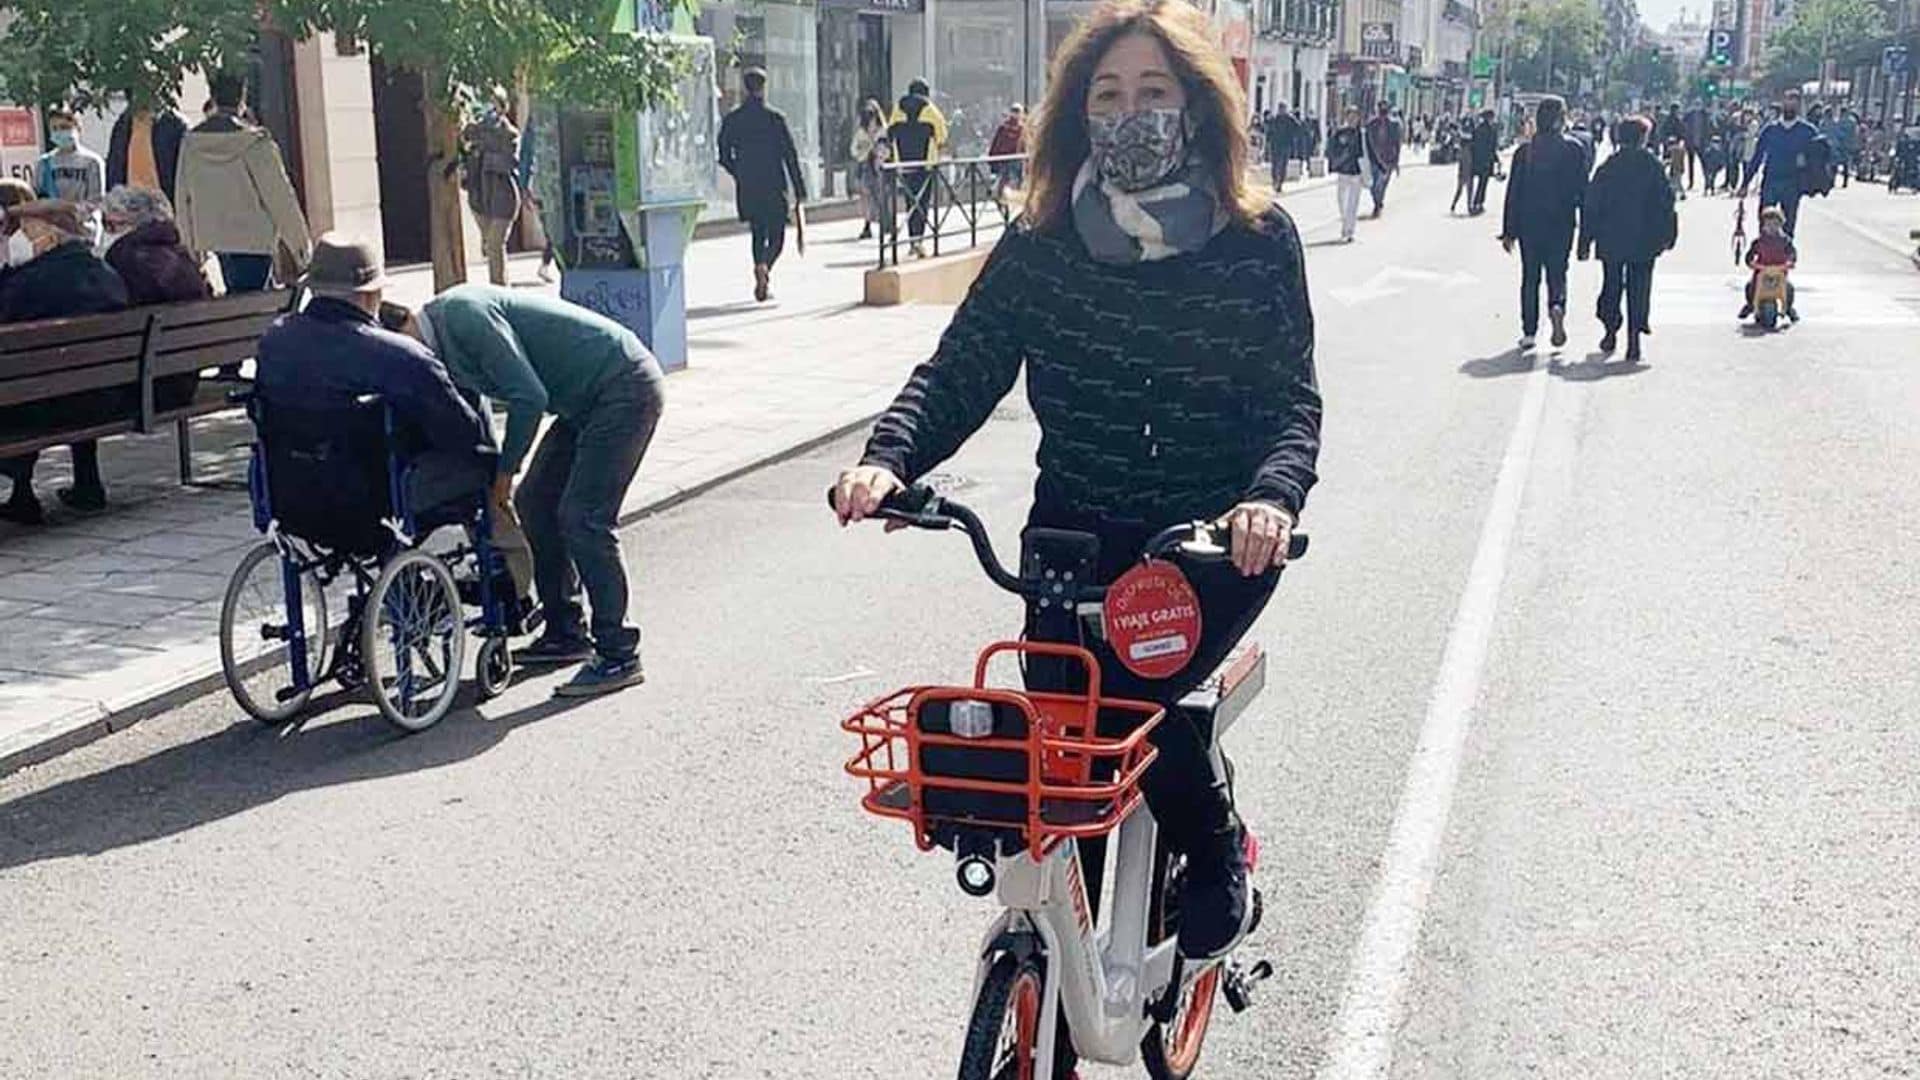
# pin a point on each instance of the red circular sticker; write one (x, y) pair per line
(1153, 620)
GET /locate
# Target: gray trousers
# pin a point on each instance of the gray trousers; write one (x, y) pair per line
(569, 504)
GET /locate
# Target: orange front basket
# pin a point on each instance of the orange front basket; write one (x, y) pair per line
(1030, 768)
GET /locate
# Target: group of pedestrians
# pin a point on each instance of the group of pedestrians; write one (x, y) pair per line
(1624, 214)
(1363, 158)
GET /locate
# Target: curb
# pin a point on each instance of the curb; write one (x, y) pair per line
(92, 721)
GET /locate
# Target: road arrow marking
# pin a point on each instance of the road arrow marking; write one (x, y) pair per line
(1389, 280)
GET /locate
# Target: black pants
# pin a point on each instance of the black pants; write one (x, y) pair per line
(918, 190)
(569, 504)
(1733, 173)
(1478, 201)
(1543, 254)
(1632, 281)
(1189, 798)
(769, 225)
(1693, 157)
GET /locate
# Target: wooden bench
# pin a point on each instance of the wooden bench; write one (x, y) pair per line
(41, 361)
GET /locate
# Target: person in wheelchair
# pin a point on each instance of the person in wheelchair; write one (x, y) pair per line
(314, 366)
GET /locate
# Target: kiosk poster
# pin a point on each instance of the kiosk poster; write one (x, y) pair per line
(679, 139)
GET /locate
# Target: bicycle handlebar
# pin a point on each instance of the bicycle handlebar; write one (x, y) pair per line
(919, 507)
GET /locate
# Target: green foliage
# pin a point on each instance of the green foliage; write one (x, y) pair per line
(1645, 72)
(84, 50)
(1553, 43)
(1821, 29)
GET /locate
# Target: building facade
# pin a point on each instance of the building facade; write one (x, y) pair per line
(1291, 51)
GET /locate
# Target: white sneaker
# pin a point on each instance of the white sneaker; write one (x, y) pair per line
(546, 274)
(1526, 341)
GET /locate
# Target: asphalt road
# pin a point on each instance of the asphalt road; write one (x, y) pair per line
(1642, 637)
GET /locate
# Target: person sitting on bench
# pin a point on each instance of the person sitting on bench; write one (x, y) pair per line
(53, 274)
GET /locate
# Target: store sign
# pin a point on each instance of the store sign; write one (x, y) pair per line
(1376, 41)
(883, 7)
(1720, 47)
(19, 142)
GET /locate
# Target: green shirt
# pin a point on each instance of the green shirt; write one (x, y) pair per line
(532, 353)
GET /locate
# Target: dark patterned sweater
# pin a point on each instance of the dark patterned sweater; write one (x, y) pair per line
(1166, 391)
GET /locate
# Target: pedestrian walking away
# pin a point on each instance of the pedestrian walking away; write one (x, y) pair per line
(1346, 153)
(1627, 218)
(537, 356)
(1111, 296)
(1779, 158)
(1284, 136)
(1547, 183)
(1483, 147)
(918, 131)
(757, 150)
(234, 198)
(144, 148)
(490, 165)
(1383, 137)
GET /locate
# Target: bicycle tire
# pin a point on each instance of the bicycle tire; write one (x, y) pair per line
(1171, 1050)
(428, 609)
(246, 666)
(1011, 985)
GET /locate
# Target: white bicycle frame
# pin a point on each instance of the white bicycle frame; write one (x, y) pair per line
(1102, 978)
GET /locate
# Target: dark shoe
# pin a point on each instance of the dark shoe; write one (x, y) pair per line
(1609, 343)
(866, 233)
(1746, 311)
(602, 676)
(1633, 352)
(1218, 906)
(1792, 315)
(552, 651)
(1559, 318)
(760, 277)
(23, 511)
(87, 500)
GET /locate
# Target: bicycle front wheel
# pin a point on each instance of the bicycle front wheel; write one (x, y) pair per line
(1003, 1037)
(255, 629)
(412, 638)
(1171, 1048)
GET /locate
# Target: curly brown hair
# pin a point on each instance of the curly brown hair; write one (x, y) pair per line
(1215, 104)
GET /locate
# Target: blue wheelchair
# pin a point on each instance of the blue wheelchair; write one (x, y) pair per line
(351, 532)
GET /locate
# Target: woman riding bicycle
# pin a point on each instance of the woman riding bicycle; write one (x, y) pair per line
(1159, 306)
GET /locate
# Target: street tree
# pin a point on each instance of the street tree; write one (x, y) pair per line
(1819, 31)
(85, 51)
(1553, 44)
(1647, 73)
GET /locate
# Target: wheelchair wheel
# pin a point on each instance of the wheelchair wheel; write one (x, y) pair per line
(253, 636)
(412, 638)
(493, 668)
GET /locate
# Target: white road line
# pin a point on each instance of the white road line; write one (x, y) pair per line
(1383, 959)
(1855, 227)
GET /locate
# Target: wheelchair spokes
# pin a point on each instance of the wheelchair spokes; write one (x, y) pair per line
(270, 658)
(413, 638)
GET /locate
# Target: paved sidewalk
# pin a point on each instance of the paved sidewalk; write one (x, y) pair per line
(1869, 211)
(104, 619)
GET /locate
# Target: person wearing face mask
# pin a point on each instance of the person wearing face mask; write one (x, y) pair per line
(1158, 306)
(54, 274)
(1779, 155)
(70, 171)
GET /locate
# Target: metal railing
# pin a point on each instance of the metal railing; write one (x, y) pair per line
(947, 199)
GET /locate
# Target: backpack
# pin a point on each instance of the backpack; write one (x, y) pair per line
(1817, 167)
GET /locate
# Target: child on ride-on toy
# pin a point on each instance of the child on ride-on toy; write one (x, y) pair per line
(1772, 248)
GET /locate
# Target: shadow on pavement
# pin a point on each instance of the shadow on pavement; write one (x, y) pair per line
(1595, 368)
(1334, 242)
(1499, 365)
(237, 769)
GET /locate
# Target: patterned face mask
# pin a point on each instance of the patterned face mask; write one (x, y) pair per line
(1138, 150)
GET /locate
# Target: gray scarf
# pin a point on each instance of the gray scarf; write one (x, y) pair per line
(1175, 217)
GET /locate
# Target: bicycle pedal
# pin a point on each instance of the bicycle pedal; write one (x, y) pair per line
(1239, 983)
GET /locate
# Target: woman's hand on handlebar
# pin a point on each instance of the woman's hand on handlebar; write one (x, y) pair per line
(1260, 534)
(861, 490)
